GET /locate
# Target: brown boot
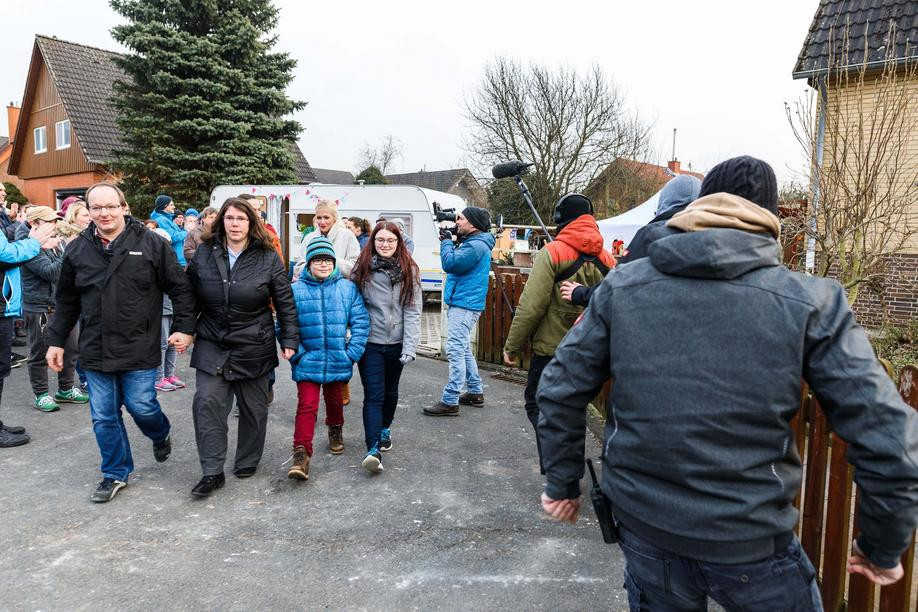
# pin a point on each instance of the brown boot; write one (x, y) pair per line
(300, 467)
(472, 399)
(441, 409)
(335, 439)
(346, 393)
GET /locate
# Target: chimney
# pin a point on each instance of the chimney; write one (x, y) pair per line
(673, 166)
(12, 116)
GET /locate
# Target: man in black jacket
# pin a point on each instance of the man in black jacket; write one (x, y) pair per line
(112, 280)
(707, 340)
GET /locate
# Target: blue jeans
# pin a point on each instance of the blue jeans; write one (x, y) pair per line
(463, 369)
(657, 579)
(107, 393)
(380, 370)
(167, 365)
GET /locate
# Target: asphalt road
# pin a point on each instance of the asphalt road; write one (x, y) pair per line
(452, 523)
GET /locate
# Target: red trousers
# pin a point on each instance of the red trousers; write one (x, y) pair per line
(307, 407)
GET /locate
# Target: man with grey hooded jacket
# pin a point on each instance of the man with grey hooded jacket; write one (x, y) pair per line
(707, 340)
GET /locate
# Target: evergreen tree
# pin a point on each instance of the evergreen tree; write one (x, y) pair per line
(206, 103)
(13, 195)
(371, 176)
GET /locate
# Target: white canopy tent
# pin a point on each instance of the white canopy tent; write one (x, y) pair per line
(624, 226)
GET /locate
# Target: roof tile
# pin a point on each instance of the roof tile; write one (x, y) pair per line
(868, 21)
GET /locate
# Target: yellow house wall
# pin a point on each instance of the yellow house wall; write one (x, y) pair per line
(846, 100)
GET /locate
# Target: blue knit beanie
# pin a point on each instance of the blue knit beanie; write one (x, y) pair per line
(191, 213)
(319, 246)
(680, 191)
(162, 201)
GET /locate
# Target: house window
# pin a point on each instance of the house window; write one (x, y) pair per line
(41, 139)
(62, 134)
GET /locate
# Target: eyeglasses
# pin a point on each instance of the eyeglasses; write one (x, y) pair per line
(97, 210)
(329, 262)
(385, 240)
(236, 219)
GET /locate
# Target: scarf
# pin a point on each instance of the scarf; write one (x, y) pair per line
(389, 265)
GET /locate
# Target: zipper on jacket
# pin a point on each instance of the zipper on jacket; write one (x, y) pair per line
(324, 331)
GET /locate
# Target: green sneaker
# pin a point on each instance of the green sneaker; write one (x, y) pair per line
(71, 396)
(44, 403)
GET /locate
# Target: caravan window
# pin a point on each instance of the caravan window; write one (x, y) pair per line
(405, 217)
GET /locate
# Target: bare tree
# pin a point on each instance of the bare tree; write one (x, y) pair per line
(382, 155)
(855, 128)
(569, 125)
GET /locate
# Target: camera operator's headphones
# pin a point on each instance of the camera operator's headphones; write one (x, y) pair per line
(556, 217)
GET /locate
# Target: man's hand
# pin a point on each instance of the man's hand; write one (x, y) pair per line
(445, 234)
(564, 510)
(55, 358)
(42, 233)
(509, 359)
(180, 341)
(858, 564)
(405, 359)
(567, 290)
(51, 243)
(287, 353)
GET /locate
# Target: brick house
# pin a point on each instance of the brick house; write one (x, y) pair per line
(460, 182)
(66, 131)
(625, 183)
(878, 32)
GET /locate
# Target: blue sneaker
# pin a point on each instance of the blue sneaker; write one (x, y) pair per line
(373, 461)
(385, 440)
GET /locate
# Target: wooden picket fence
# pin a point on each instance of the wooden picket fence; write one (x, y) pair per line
(828, 497)
(494, 323)
(828, 501)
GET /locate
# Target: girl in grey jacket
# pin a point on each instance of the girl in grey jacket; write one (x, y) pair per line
(389, 281)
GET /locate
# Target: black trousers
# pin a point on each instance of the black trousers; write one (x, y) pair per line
(213, 402)
(38, 366)
(6, 347)
(536, 366)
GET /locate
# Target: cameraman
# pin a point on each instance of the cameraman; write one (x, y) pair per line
(467, 265)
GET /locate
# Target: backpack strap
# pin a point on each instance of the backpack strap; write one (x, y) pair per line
(578, 263)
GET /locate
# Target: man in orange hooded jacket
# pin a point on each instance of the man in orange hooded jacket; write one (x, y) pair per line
(575, 255)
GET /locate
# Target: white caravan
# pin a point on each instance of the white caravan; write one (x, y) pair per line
(291, 205)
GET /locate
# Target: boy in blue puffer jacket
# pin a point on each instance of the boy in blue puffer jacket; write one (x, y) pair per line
(326, 305)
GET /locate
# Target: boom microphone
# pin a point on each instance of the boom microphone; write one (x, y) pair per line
(511, 168)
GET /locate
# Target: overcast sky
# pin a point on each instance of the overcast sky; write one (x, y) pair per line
(719, 71)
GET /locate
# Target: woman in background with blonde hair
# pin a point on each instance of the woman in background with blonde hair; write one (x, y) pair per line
(347, 249)
(76, 219)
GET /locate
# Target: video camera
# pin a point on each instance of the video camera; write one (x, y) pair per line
(445, 218)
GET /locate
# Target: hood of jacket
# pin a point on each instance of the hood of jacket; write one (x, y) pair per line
(722, 254)
(582, 234)
(720, 210)
(485, 237)
(678, 193)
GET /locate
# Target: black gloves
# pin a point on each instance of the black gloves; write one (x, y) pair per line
(446, 233)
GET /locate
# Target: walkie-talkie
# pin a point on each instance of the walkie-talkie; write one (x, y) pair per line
(602, 509)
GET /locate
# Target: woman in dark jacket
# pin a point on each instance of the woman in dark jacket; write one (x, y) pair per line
(236, 276)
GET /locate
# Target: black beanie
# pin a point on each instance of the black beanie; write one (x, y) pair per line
(746, 177)
(478, 217)
(570, 207)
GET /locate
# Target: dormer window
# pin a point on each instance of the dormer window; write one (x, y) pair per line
(62, 134)
(40, 136)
